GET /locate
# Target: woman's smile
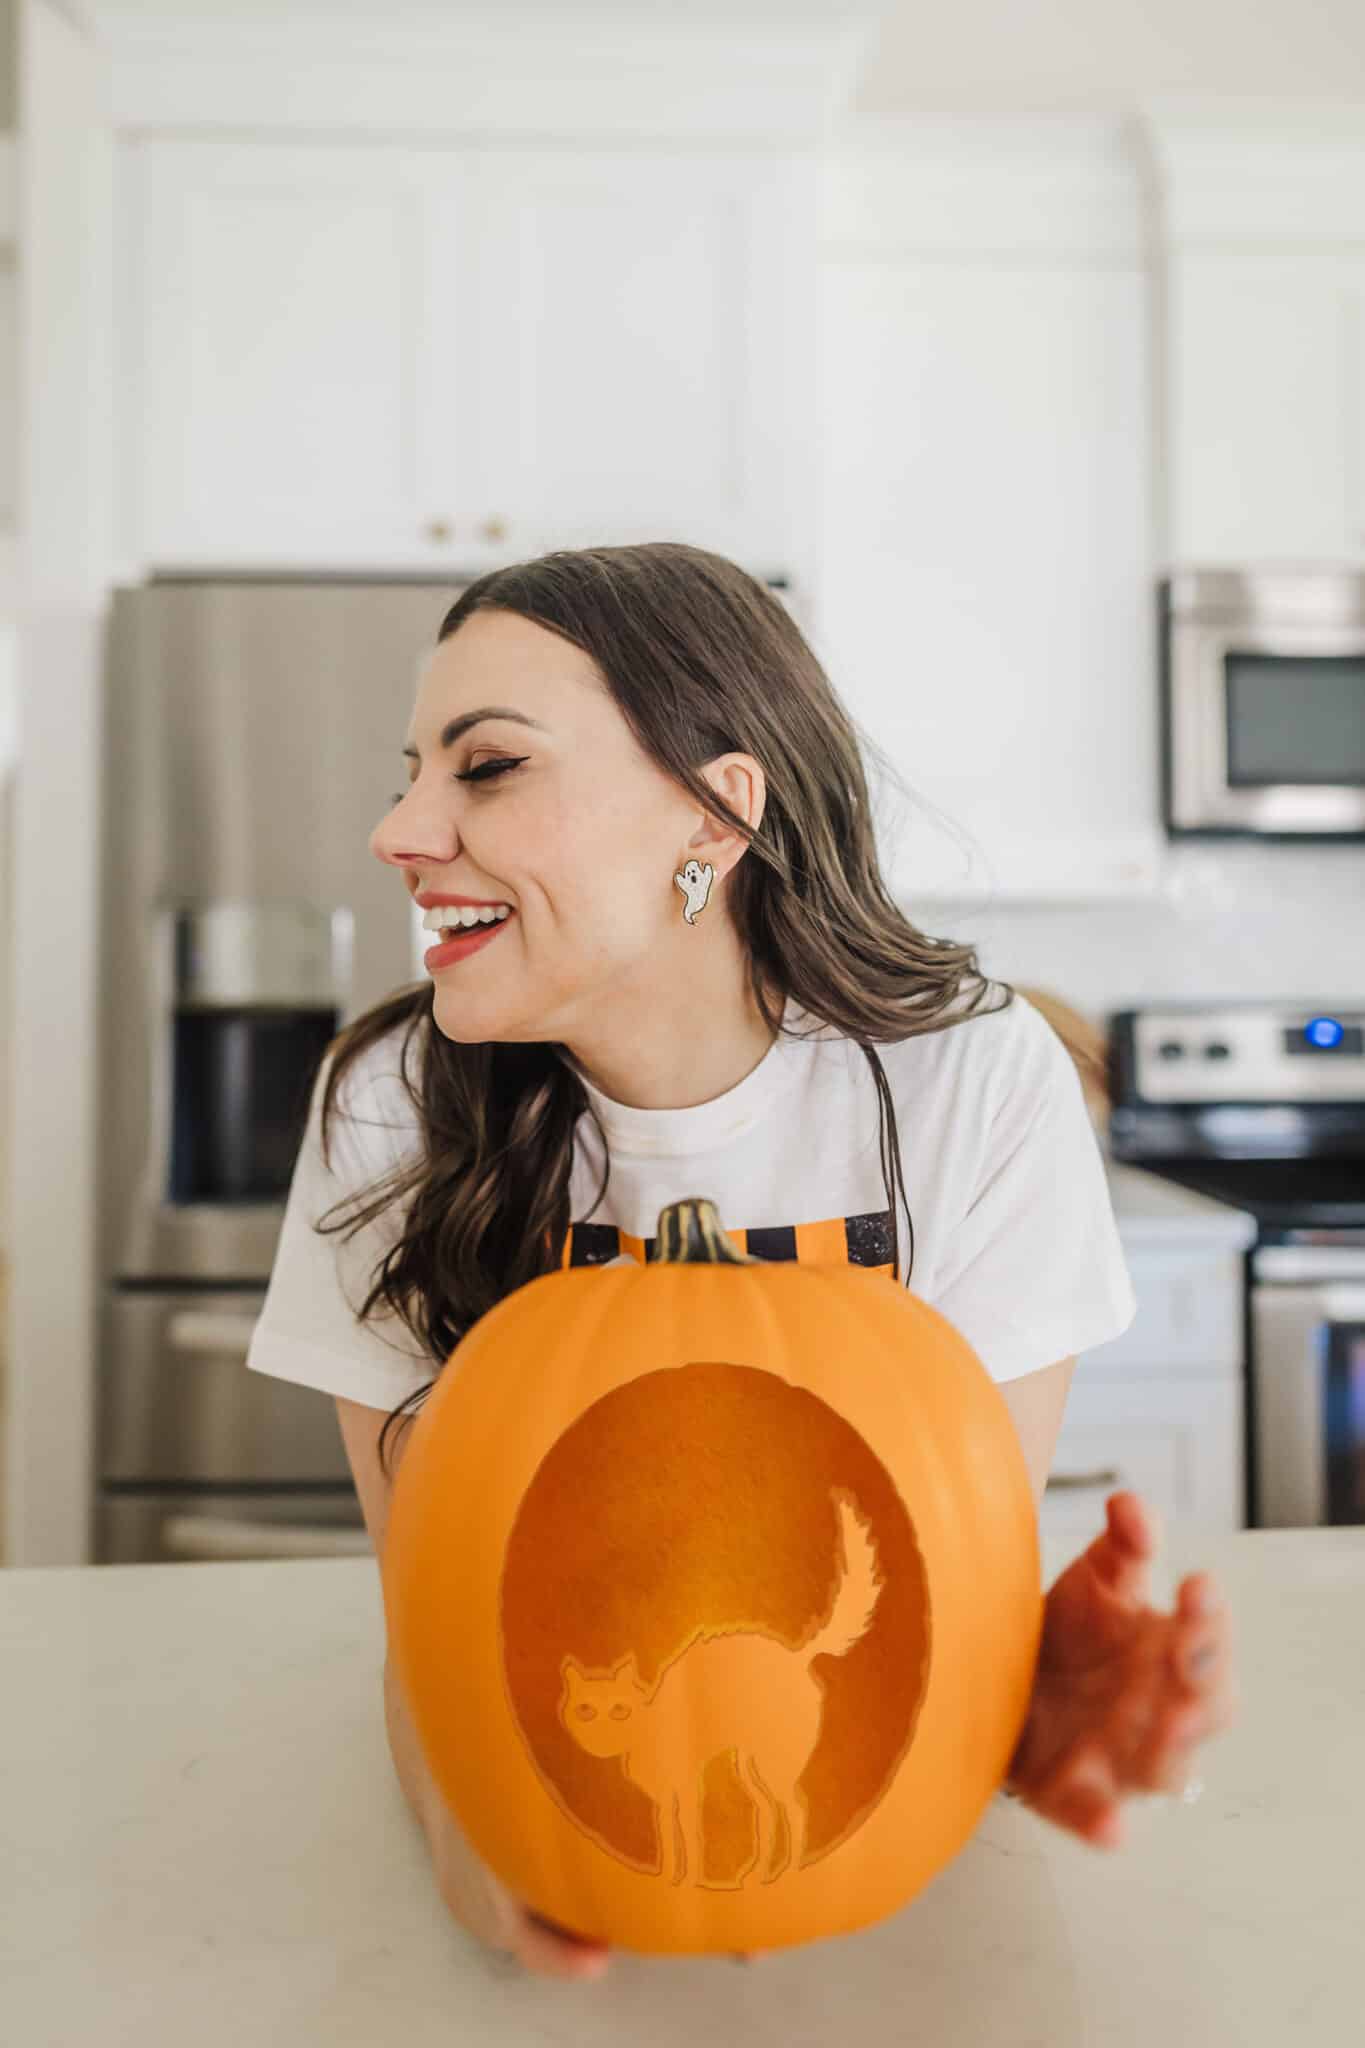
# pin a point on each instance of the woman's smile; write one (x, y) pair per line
(452, 950)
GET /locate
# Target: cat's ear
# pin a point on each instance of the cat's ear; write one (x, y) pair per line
(626, 1669)
(571, 1671)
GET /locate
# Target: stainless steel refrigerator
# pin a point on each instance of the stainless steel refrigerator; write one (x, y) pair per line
(252, 737)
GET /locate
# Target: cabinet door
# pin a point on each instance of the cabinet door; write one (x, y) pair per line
(271, 352)
(641, 349)
(1189, 1313)
(1176, 1442)
(984, 597)
(1267, 406)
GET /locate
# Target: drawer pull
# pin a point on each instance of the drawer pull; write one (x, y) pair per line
(1062, 1482)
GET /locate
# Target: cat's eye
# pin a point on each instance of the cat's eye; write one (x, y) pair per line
(620, 1713)
(586, 1713)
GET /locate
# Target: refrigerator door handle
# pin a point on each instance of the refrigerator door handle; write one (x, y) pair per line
(224, 1536)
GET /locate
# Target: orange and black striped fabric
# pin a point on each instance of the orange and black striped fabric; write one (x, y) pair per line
(838, 1240)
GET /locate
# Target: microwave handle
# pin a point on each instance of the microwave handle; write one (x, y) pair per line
(224, 1536)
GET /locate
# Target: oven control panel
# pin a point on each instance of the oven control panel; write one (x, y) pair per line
(1246, 1053)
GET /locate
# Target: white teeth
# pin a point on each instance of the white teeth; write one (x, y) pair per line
(448, 914)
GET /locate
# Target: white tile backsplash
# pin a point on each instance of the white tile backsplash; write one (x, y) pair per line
(1236, 920)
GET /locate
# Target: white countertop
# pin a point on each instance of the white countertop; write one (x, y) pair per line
(204, 1841)
(1151, 1210)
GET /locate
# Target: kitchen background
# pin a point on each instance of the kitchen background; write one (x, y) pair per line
(966, 331)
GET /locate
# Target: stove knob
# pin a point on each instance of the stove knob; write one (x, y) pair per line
(1216, 1050)
(1171, 1049)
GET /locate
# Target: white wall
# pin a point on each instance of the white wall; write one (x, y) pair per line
(62, 516)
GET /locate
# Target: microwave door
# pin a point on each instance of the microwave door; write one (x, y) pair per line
(1265, 729)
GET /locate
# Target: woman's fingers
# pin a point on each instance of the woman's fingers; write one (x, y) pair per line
(1201, 1701)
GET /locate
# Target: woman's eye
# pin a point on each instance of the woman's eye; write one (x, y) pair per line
(486, 771)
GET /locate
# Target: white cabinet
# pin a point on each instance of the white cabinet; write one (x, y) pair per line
(271, 353)
(1175, 1440)
(643, 347)
(1261, 225)
(1159, 1409)
(367, 354)
(984, 602)
(1267, 404)
(1189, 1309)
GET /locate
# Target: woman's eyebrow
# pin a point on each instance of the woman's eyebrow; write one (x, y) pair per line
(453, 729)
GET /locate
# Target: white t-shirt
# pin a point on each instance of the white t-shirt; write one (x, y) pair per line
(1014, 1236)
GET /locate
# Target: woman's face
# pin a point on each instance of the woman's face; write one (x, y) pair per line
(580, 834)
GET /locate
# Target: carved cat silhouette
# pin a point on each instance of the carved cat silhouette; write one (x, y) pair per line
(747, 1691)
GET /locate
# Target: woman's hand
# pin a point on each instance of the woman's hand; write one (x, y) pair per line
(1122, 1693)
(486, 1909)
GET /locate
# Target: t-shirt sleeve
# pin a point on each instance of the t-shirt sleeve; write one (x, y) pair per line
(307, 1329)
(1034, 1270)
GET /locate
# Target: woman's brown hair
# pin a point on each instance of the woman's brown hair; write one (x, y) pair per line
(701, 659)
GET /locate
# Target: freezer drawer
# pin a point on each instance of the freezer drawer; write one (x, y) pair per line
(177, 1528)
(176, 1401)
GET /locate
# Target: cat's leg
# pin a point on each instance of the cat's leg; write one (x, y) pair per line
(694, 1808)
(672, 1831)
(767, 1813)
(795, 1808)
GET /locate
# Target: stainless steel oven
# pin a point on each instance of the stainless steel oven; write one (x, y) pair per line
(1263, 703)
(198, 1458)
(1262, 1105)
(1308, 1345)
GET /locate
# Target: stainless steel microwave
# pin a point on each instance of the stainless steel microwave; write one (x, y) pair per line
(1263, 702)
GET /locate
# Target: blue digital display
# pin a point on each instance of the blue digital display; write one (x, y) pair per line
(1323, 1035)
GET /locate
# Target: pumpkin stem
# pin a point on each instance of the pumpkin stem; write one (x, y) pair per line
(690, 1233)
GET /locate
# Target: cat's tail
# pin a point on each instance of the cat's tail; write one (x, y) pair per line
(858, 1590)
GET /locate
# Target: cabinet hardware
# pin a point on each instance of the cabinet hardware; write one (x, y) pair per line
(1059, 1482)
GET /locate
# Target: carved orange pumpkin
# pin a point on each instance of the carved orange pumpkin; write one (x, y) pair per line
(714, 1588)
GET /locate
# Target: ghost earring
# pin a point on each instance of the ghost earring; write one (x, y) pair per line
(695, 883)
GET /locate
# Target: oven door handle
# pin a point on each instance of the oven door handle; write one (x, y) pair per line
(210, 1329)
(224, 1536)
(1342, 1303)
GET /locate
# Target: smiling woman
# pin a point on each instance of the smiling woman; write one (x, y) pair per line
(591, 729)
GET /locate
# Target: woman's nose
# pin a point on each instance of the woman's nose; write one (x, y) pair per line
(405, 837)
